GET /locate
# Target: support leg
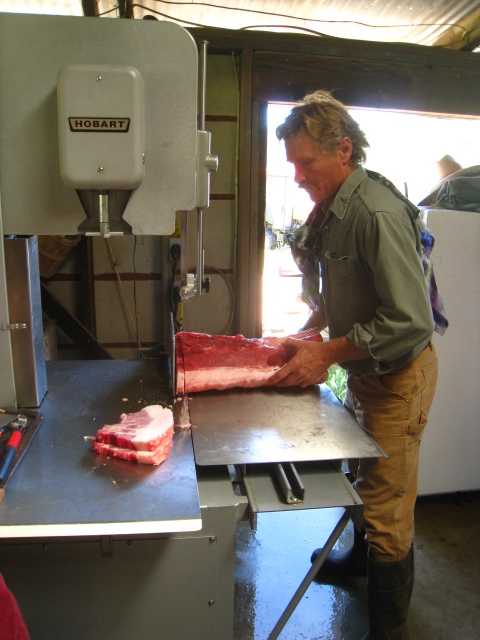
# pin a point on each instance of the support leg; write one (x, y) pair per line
(306, 582)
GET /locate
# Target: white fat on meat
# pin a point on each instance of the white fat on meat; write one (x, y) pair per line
(144, 430)
(156, 457)
(226, 378)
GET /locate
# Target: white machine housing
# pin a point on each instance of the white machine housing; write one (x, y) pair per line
(47, 176)
(35, 199)
(101, 127)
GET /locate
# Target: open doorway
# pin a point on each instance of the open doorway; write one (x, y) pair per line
(404, 146)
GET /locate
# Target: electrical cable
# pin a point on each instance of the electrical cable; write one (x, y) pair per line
(320, 20)
(120, 287)
(285, 26)
(104, 13)
(167, 16)
(228, 325)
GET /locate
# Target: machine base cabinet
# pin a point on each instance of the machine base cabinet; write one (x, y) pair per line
(176, 587)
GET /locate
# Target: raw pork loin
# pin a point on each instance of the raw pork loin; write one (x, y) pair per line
(145, 436)
(205, 362)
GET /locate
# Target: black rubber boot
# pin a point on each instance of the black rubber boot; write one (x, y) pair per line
(390, 587)
(344, 564)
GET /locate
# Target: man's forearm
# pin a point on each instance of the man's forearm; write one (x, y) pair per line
(311, 360)
(342, 349)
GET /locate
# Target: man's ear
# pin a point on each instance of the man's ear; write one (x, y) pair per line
(345, 149)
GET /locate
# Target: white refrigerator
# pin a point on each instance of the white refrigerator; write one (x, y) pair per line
(450, 452)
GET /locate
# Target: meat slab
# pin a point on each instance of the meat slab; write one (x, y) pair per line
(145, 436)
(205, 362)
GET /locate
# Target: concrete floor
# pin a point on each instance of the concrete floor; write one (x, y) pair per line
(272, 562)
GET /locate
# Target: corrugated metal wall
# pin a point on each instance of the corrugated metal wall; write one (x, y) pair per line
(417, 21)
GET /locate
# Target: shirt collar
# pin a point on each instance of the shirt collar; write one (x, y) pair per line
(342, 199)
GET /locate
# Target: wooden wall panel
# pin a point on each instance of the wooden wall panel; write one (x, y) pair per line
(424, 86)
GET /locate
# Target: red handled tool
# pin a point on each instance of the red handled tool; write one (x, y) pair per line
(11, 447)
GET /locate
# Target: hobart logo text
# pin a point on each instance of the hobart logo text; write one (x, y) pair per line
(111, 125)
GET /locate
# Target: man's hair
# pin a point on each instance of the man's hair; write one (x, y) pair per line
(327, 121)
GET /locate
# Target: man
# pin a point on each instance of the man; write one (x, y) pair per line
(361, 257)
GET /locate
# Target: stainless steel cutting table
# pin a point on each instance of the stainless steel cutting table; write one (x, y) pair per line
(256, 430)
(106, 540)
(62, 489)
(275, 425)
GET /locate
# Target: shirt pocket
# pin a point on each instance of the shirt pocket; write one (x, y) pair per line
(346, 293)
(340, 268)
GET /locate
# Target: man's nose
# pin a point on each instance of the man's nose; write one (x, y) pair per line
(299, 177)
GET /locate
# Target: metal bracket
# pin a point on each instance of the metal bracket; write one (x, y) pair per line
(289, 482)
(311, 573)
(241, 473)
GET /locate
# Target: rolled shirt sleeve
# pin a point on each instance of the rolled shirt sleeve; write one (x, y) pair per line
(402, 323)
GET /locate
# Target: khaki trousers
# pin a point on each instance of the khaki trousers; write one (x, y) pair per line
(394, 409)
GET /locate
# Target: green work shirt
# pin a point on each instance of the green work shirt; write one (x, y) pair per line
(374, 290)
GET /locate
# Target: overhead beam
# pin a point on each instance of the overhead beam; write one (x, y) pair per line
(227, 40)
(371, 74)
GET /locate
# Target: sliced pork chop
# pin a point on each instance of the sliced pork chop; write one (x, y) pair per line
(155, 457)
(144, 430)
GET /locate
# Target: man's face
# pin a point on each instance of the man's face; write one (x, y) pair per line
(319, 172)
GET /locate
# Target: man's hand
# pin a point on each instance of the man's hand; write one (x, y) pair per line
(310, 361)
(308, 364)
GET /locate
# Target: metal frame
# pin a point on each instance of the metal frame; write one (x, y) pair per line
(7, 378)
(312, 572)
